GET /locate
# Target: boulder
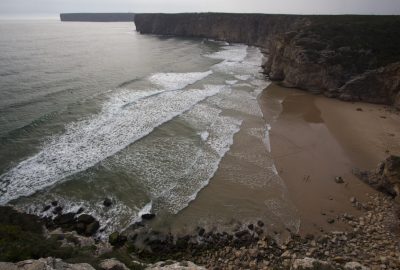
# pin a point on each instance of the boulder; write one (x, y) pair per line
(171, 265)
(112, 264)
(148, 216)
(385, 178)
(92, 228)
(116, 239)
(45, 264)
(311, 264)
(63, 219)
(86, 219)
(107, 202)
(355, 266)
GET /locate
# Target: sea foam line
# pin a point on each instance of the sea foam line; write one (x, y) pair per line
(89, 141)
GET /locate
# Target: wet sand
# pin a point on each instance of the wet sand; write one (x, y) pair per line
(314, 139)
(244, 190)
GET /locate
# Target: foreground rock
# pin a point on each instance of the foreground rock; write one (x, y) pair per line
(370, 242)
(44, 264)
(172, 265)
(385, 178)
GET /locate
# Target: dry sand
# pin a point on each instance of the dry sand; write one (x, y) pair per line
(314, 139)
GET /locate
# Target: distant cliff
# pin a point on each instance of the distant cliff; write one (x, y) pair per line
(321, 54)
(97, 17)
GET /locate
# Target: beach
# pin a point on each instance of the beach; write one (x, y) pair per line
(315, 139)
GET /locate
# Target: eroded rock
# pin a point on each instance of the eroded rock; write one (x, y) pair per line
(385, 178)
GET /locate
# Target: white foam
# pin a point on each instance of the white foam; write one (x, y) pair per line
(145, 210)
(204, 135)
(243, 77)
(173, 81)
(266, 139)
(92, 140)
(231, 82)
(240, 101)
(233, 53)
(174, 168)
(242, 60)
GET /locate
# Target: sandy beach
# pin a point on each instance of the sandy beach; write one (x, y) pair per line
(315, 139)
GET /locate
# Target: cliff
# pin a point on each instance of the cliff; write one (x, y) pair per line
(97, 17)
(321, 54)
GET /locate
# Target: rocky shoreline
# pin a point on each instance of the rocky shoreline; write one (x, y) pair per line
(371, 241)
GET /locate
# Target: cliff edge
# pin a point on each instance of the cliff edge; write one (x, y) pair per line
(336, 55)
(97, 17)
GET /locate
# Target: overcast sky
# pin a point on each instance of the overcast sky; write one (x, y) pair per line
(53, 7)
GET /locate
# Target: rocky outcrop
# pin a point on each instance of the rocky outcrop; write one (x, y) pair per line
(334, 55)
(112, 264)
(381, 85)
(385, 178)
(310, 264)
(171, 265)
(44, 264)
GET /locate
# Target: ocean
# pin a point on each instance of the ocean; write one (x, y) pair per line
(90, 111)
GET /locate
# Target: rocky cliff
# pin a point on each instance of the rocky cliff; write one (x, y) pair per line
(97, 17)
(321, 54)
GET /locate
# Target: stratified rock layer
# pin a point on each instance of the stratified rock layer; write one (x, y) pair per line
(347, 57)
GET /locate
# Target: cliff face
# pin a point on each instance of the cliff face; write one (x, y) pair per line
(252, 29)
(97, 17)
(321, 54)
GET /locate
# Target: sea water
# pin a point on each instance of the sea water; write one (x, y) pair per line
(90, 111)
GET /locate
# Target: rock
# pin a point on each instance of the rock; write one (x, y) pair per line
(112, 264)
(330, 220)
(355, 266)
(286, 255)
(377, 86)
(339, 180)
(385, 178)
(260, 223)
(174, 266)
(46, 207)
(116, 239)
(45, 264)
(258, 230)
(107, 202)
(359, 109)
(8, 266)
(63, 219)
(201, 231)
(148, 216)
(242, 233)
(57, 210)
(86, 219)
(311, 264)
(353, 200)
(92, 228)
(54, 203)
(251, 227)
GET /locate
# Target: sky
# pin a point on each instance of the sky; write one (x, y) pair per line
(54, 7)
